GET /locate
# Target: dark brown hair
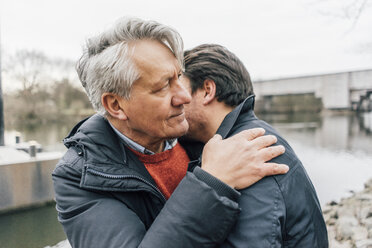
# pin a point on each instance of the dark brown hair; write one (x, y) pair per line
(215, 62)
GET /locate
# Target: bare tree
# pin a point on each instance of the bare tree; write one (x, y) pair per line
(350, 10)
(27, 68)
(44, 89)
(31, 69)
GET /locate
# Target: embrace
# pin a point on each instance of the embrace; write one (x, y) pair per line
(175, 156)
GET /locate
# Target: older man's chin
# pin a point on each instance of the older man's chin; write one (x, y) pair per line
(179, 130)
(189, 133)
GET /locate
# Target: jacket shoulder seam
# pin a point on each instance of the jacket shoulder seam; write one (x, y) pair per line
(69, 165)
(292, 170)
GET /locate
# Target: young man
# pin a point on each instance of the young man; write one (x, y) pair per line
(277, 211)
(125, 181)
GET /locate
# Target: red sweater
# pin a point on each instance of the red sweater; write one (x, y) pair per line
(166, 168)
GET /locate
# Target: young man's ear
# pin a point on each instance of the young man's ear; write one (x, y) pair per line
(114, 105)
(209, 91)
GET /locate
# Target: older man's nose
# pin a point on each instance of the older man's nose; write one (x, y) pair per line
(181, 95)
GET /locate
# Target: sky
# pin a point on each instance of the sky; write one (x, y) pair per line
(273, 38)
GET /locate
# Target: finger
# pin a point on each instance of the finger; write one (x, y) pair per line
(264, 141)
(270, 169)
(217, 137)
(271, 152)
(251, 134)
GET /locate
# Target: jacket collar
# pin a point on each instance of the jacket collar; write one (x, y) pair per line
(230, 119)
(103, 149)
(98, 139)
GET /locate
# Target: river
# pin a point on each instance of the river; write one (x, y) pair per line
(336, 150)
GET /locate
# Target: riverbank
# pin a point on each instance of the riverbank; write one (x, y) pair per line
(25, 181)
(349, 222)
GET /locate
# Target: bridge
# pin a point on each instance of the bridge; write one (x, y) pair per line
(346, 90)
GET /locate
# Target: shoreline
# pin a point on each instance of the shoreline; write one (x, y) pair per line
(349, 222)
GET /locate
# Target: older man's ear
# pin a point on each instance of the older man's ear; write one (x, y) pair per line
(114, 105)
(209, 88)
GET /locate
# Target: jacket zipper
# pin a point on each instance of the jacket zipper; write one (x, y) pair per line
(98, 173)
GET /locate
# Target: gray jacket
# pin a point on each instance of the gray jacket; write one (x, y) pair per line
(106, 198)
(278, 211)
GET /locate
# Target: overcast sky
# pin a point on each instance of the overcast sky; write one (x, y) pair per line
(273, 38)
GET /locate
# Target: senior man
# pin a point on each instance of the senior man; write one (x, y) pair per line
(277, 211)
(125, 181)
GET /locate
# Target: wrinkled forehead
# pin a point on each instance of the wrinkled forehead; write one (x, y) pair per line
(151, 50)
(154, 59)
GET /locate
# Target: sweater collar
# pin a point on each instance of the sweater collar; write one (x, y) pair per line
(169, 144)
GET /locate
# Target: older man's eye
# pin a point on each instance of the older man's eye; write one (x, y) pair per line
(165, 86)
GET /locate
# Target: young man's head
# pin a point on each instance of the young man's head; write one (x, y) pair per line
(218, 81)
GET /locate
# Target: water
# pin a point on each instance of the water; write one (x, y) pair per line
(35, 228)
(49, 135)
(336, 151)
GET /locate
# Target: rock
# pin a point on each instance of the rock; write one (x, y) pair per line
(363, 211)
(349, 223)
(359, 234)
(368, 184)
(364, 197)
(347, 211)
(327, 209)
(344, 227)
(364, 244)
(62, 244)
(367, 223)
(331, 222)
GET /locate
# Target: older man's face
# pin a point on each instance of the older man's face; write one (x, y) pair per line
(155, 109)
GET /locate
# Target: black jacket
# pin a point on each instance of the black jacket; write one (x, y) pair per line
(277, 211)
(106, 198)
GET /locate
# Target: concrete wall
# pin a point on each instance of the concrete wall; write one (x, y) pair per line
(337, 91)
(24, 184)
(360, 80)
(287, 86)
(289, 104)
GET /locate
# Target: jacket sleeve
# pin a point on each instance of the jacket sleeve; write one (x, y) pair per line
(305, 226)
(195, 216)
(261, 219)
(280, 211)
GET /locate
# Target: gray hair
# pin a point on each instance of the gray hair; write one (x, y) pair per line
(106, 64)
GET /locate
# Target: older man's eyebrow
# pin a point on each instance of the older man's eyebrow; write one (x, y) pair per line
(165, 78)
